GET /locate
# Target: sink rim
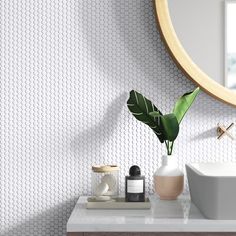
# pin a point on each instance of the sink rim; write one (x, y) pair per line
(215, 169)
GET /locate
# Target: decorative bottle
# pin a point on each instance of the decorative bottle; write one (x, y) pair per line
(135, 185)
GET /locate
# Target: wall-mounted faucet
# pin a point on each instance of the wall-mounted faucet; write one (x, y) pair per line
(222, 130)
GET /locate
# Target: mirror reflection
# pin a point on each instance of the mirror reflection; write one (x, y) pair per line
(207, 31)
(230, 44)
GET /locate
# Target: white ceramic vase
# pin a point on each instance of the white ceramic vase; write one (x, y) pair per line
(169, 179)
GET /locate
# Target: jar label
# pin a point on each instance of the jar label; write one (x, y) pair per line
(135, 186)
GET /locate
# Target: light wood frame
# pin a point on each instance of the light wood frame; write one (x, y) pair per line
(182, 59)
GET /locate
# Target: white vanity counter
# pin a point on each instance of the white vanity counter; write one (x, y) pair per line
(164, 216)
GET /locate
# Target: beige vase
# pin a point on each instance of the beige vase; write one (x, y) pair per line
(169, 179)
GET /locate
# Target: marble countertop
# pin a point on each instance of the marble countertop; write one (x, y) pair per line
(164, 216)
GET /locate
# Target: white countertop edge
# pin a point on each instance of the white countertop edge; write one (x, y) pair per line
(152, 228)
(162, 225)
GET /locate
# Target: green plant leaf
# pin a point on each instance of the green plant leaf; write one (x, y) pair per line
(156, 115)
(170, 126)
(183, 104)
(140, 107)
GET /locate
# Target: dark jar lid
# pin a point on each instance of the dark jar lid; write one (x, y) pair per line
(134, 171)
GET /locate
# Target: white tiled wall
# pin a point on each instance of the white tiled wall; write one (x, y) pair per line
(66, 70)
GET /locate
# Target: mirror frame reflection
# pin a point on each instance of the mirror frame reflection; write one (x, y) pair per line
(184, 61)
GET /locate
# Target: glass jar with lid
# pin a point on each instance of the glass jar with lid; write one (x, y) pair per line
(105, 181)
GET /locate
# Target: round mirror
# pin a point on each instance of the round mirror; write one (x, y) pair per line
(201, 36)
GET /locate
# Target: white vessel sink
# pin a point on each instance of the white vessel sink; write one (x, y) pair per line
(213, 189)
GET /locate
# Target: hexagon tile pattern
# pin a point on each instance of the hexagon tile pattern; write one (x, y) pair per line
(66, 70)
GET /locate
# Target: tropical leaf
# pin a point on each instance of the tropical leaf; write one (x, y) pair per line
(157, 118)
(156, 115)
(140, 107)
(170, 126)
(183, 104)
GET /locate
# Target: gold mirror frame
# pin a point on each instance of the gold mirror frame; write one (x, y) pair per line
(182, 59)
